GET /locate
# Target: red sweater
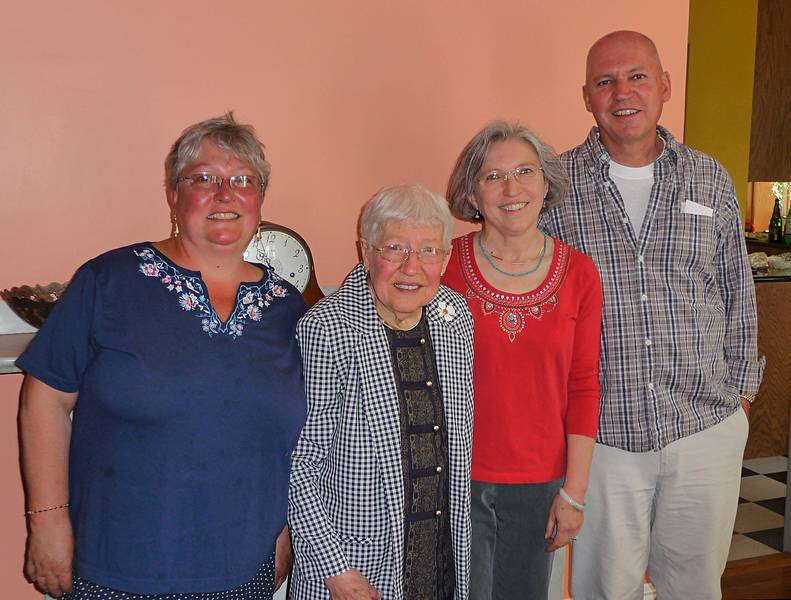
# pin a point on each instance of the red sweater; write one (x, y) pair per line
(536, 369)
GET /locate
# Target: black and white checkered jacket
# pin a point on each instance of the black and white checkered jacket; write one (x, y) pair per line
(346, 500)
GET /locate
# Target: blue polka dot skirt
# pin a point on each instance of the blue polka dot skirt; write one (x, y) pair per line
(260, 587)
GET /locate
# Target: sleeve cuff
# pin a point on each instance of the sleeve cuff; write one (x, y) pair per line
(745, 376)
(317, 564)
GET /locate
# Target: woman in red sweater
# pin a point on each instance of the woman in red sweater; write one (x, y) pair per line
(536, 303)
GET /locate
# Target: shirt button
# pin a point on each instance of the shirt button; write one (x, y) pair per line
(626, 220)
(438, 469)
(651, 386)
(648, 342)
(429, 383)
(436, 427)
(438, 513)
(644, 297)
(640, 259)
(422, 340)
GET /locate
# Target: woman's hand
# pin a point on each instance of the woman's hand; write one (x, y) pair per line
(284, 557)
(45, 432)
(49, 552)
(351, 585)
(565, 521)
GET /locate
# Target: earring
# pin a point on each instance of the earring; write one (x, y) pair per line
(174, 229)
(478, 216)
(258, 235)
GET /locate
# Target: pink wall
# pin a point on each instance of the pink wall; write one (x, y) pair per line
(347, 95)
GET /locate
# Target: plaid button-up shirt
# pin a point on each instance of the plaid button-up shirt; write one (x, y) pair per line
(679, 318)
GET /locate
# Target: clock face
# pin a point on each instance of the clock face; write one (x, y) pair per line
(284, 253)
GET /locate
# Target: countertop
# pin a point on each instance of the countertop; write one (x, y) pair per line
(762, 245)
(15, 335)
(11, 346)
(785, 276)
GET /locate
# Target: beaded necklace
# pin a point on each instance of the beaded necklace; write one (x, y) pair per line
(508, 273)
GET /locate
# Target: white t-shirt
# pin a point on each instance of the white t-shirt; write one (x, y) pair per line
(634, 184)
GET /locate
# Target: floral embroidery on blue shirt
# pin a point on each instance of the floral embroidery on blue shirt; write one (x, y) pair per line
(251, 300)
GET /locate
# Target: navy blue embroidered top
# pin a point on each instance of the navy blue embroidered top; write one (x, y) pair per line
(184, 424)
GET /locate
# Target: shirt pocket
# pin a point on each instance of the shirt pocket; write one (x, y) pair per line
(693, 242)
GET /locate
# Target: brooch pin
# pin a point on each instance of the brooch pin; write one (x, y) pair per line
(446, 311)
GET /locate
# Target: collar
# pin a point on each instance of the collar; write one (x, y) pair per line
(599, 156)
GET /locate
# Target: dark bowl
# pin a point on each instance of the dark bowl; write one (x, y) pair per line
(33, 304)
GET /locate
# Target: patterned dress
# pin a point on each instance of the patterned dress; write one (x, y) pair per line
(428, 549)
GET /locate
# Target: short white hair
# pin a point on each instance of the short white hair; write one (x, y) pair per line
(405, 202)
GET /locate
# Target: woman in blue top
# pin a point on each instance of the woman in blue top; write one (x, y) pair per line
(179, 364)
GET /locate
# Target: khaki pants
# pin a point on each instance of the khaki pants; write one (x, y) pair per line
(671, 512)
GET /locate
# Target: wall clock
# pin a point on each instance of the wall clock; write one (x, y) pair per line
(285, 251)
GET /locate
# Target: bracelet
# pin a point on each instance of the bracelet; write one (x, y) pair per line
(749, 397)
(41, 510)
(571, 501)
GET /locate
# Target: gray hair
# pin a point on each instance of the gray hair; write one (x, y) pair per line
(225, 133)
(402, 202)
(463, 179)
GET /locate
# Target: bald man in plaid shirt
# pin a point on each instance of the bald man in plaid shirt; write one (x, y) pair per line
(679, 359)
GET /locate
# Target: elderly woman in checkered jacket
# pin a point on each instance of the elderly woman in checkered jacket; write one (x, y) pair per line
(379, 496)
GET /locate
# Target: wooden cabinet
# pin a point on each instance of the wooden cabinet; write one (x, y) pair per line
(769, 417)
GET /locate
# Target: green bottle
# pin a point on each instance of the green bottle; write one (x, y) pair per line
(776, 224)
(787, 232)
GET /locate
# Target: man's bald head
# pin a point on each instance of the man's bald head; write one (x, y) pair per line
(618, 39)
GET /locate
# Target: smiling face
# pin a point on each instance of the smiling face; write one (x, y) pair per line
(625, 89)
(225, 217)
(511, 208)
(402, 289)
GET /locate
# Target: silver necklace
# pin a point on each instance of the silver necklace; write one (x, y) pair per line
(488, 258)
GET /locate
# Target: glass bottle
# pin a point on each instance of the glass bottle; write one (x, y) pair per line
(787, 232)
(776, 224)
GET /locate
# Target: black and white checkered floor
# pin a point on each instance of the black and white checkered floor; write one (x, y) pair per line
(758, 530)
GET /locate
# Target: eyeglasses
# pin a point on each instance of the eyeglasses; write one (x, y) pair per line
(207, 182)
(521, 175)
(397, 253)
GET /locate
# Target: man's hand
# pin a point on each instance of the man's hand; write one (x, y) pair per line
(351, 585)
(49, 552)
(745, 406)
(284, 557)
